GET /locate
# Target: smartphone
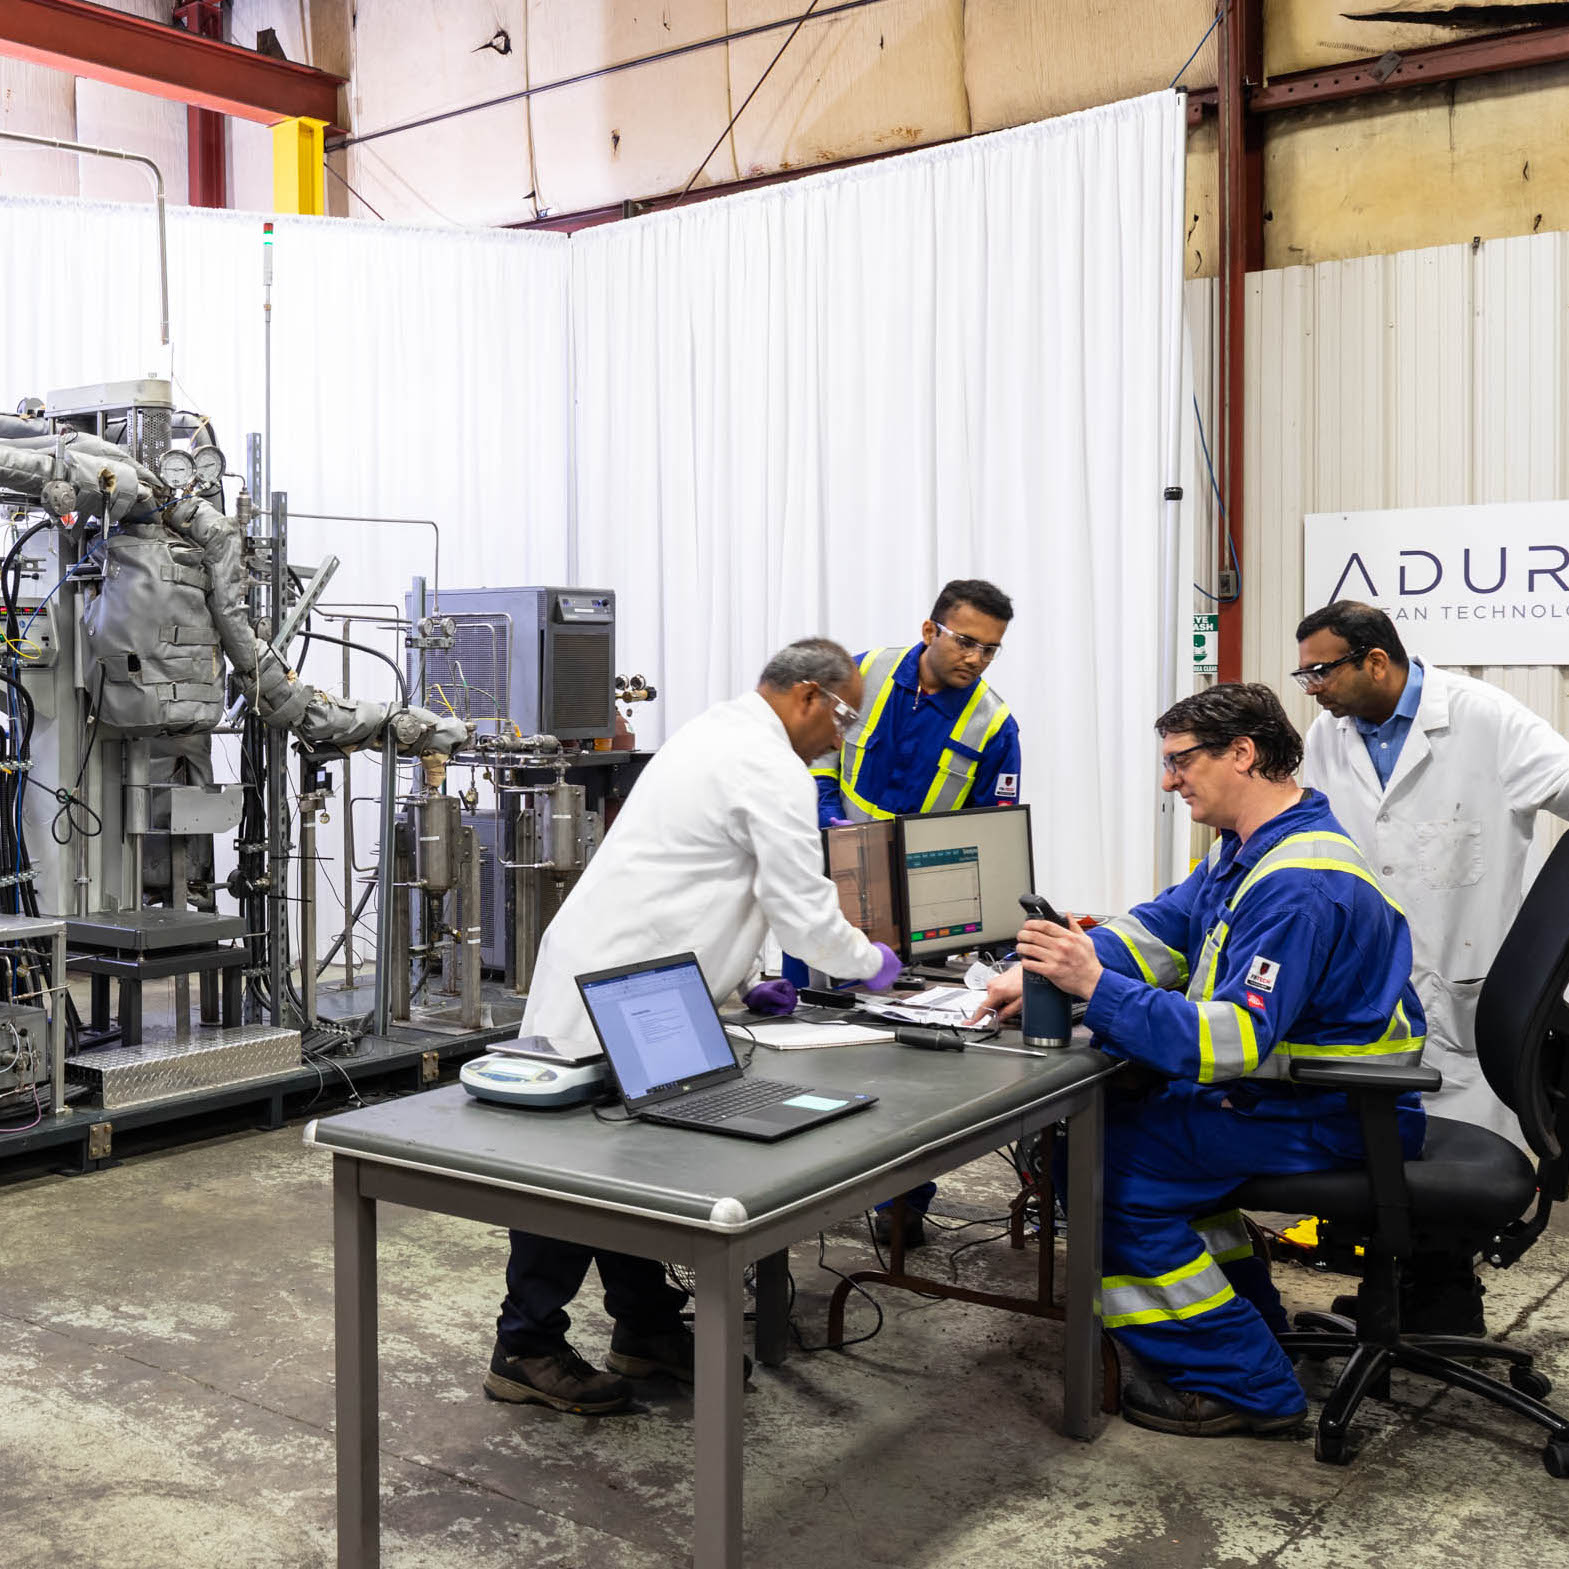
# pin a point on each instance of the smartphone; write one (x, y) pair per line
(1039, 909)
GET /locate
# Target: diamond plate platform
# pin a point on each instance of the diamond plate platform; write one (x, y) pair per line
(164, 1067)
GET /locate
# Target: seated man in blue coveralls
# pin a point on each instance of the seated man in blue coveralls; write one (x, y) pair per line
(932, 736)
(1280, 944)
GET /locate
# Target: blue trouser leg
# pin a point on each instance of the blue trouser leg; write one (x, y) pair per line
(1249, 1278)
(544, 1274)
(1172, 1156)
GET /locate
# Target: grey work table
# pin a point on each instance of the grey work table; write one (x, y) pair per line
(705, 1201)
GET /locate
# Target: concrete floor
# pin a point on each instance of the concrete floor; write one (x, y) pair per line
(166, 1400)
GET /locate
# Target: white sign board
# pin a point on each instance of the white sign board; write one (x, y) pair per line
(1483, 585)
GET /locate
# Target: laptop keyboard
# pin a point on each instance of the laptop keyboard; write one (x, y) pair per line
(729, 1100)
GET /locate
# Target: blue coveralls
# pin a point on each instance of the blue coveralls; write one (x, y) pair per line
(1282, 947)
(904, 745)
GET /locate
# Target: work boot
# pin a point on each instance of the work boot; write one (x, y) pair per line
(914, 1228)
(1154, 1404)
(669, 1351)
(559, 1378)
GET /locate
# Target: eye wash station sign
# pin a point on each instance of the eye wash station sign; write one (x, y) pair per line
(1482, 585)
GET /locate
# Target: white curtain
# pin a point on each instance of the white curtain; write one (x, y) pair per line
(794, 411)
(801, 410)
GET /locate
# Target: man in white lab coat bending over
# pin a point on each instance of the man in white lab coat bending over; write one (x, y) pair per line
(717, 845)
(1438, 778)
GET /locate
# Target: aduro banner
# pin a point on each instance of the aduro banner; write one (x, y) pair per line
(1483, 585)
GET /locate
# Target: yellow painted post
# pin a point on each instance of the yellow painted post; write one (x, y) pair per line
(298, 180)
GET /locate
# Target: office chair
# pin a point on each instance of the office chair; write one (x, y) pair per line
(1471, 1188)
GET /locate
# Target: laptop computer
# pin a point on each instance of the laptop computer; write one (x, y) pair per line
(674, 1063)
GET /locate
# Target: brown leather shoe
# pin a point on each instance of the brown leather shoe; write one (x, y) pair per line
(560, 1378)
(1153, 1404)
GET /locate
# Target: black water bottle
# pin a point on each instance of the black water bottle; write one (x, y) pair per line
(1048, 1011)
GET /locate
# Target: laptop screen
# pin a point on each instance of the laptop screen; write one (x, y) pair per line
(658, 1025)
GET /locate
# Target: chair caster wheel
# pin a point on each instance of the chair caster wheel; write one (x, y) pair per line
(1555, 1456)
(1529, 1382)
(1333, 1449)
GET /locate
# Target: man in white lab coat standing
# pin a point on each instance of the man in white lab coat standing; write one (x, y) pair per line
(1438, 778)
(717, 845)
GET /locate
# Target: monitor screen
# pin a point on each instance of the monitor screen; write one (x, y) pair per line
(860, 860)
(961, 874)
(658, 1025)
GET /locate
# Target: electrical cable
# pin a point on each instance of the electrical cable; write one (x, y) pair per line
(363, 648)
(855, 1285)
(719, 142)
(1220, 11)
(1220, 502)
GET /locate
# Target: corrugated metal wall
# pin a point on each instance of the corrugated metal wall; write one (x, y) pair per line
(1426, 378)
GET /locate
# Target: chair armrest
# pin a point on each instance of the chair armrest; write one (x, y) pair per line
(1365, 1076)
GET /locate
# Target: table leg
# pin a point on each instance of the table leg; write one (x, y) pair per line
(772, 1330)
(1081, 1365)
(716, 1493)
(354, 1299)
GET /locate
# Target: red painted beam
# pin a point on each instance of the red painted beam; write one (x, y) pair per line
(1451, 62)
(1241, 251)
(206, 133)
(152, 57)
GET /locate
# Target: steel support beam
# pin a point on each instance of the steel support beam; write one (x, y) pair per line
(1414, 68)
(167, 62)
(206, 136)
(1241, 251)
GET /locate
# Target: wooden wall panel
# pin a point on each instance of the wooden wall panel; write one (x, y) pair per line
(1484, 158)
(638, 133)
(865, 82)
(1301, 34)
(1030, 59)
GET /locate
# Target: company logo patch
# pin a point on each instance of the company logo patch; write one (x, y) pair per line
(1255, 1001)
(1263, 973)
(1007, 784)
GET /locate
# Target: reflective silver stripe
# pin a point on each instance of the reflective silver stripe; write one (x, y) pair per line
(1321, 852)
(1226, 1040)
(1226, 1236)
(1201, 984)
(876, 687)
(1196, 1287)
(1159, 965)
(981, 718)
(1228, 1046)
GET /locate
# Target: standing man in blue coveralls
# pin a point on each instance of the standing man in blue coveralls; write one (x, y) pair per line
(1280, 945)
(932, 737)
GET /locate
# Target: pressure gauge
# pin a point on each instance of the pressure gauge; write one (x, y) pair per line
(176, 469)
(209, 465)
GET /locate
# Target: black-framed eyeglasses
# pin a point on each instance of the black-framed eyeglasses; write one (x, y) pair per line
(844, 715)
(1311, 676)
(970, 645)
(1176, 763)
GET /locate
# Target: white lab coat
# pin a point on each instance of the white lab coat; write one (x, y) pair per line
(1449, 838)
(717, 843)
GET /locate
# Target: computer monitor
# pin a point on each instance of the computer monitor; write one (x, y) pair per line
(959, 876)
(859, 857)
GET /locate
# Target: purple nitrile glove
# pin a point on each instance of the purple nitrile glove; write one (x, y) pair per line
(840, 822)
(889, 970)
(774, 997)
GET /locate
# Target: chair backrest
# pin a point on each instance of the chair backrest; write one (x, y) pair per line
(1522, 1020)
